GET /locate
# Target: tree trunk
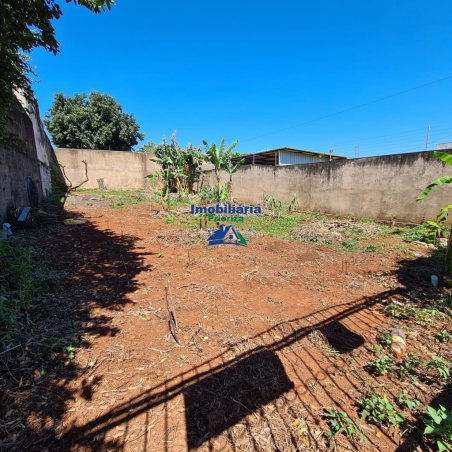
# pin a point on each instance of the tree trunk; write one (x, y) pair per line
(446, 258)
(178, 185)
(217, 173)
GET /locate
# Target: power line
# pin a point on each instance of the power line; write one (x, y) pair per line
(349, 109)
(389, 137)
(435, 141)
(402, 148)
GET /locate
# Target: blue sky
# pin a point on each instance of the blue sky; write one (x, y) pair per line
(243, 70)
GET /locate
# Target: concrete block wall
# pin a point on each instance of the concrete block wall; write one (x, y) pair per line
(119, 170)
(375, 187)
(36, 159)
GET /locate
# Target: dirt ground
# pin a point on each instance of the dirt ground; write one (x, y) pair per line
(270, 336)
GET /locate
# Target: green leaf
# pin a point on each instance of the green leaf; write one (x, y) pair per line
(437, 182)
(446, 158)
(432, 236)
(442, 445)
(444, 209)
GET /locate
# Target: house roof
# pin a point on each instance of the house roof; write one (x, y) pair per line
(270, 157)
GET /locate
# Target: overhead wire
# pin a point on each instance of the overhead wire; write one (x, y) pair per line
(401, 140)
(349, 109)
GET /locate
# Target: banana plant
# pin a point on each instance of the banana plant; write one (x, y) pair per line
(218, 156)
(231, 168)
(193, 160)
(437, 226)
(171, 159)
(446, 158)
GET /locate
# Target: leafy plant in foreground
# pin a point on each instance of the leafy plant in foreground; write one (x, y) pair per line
(385, 339)
(407, 365)
(443, 336)
(439, 423)
(340, 423)
(379, 410)
(380, 366)
(440, 365)
(405, 400)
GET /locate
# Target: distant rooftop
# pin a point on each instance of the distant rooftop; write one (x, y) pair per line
(286, 156)
(443, 146)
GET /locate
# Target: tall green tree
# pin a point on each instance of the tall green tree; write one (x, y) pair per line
(91, 122)
(25, 25)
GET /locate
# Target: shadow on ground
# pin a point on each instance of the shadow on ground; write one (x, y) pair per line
(221, 395)
(86, 268)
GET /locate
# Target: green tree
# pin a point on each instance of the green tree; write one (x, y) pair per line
(93, 122)
(219, 156)
(25, 25)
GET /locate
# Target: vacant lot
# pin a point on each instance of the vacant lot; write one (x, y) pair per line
(278, 346)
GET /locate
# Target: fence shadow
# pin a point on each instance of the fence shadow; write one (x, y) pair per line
(244, 395)
(223, 394)
(222, 399)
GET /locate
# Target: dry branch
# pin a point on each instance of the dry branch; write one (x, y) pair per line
(172, 321)
(70, 188)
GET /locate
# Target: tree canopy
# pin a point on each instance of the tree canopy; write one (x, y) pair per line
(91, 122)
(25, 25)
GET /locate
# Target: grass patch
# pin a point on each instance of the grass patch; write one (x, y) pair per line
(118, 198)
(21, 280)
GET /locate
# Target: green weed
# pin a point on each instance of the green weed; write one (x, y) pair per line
(272, 300)
(380, 366)
(439, 423)
(21, 280)
(378, 410)
(405, 400)
(385, 339)
(340, 423)
(69, 352)
(443, 336)
(440, 365)
(406, 366)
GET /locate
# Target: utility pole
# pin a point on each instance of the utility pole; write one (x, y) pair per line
(356, 150)
(331, 152)
(428, 134)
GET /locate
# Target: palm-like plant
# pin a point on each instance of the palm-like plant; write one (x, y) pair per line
(219, 156)
(171, 159)
(230, 167)
(193, 161)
